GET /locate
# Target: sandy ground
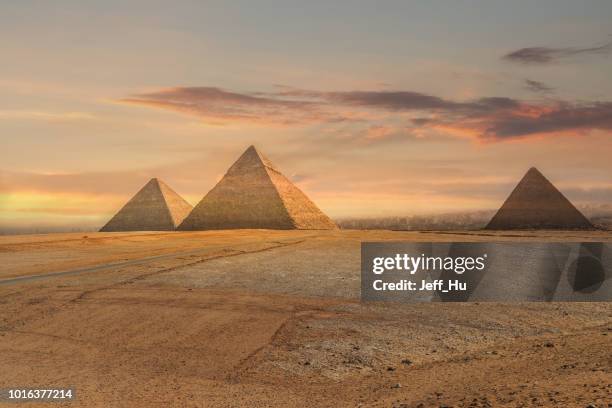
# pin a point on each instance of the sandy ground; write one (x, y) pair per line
(273, 319)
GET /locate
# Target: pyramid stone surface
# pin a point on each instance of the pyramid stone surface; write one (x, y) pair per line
(536, 204)
(253, 194)
(156, 207)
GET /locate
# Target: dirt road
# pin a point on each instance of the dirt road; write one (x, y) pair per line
(272, 318)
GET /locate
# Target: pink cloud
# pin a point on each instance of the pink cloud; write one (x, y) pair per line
(385, 113)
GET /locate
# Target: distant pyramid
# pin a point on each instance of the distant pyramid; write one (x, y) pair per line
(254, 194)
(156, 207)
(536, 204)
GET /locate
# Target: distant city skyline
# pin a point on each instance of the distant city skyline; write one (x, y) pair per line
(393, 108)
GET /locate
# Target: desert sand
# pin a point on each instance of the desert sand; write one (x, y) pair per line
(259, 318)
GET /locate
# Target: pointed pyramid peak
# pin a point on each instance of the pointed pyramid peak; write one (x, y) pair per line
(535, 203)
(252, 151)
(157, 183)
(161, 184)
(152, 181)
(535, 176)
(533, 171)
(251, 158)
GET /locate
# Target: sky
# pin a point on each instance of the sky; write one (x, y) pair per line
(371, 108)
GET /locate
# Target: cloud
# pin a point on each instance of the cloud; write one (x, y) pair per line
(390, 100)
(377, 116)
(537, 86)
(532, 120)
(548, 55)
(406, 101)
(489, 118)
(292, 106)
(560, 119)
(218, 106)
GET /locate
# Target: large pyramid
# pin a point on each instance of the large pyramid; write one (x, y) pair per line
(254, 194)
(156, 207)
(536, 204)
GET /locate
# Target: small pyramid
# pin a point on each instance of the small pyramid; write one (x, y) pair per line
(253, 194)
(536, 204)
(156, 207)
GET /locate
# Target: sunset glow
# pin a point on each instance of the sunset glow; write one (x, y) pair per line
(370, 112)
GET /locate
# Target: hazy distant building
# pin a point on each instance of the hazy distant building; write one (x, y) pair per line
(536, 204)
(156, 207)
(254, 194)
